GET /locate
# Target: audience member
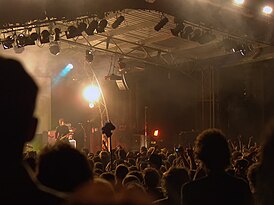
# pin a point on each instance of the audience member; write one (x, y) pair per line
(173, 182)
(63, 167)
(18, 98)
(152, 180)
(264, 177)
(218, 187)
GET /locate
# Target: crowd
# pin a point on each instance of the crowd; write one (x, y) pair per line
(212, 171)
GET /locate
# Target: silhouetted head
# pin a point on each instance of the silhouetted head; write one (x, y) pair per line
(121, 172)
(155, 161)
(18, 97)
(212, 149)
(175, 178)
(63, 167)
(151, 178)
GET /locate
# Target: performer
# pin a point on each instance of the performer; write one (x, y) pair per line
(61, 131)
(80, 136)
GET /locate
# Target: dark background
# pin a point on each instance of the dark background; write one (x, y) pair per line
(244, 103)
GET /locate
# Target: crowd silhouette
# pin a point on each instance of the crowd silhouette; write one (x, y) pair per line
(215, 170)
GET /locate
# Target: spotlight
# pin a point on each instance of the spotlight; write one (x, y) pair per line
(54, 48)
(267, 10)
(8, 42)
(34, 36)
(82, 27)
(102, 25)
(45, 36)
(186, 33)
(92, 27)
(57, 32)
(30, 40)
(89, 55)
(239, 2)
(118, 22)
(21, 40)
(179, 28)
(72, 32)
(161, 24)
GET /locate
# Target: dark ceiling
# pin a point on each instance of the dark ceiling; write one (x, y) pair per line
(138, 40)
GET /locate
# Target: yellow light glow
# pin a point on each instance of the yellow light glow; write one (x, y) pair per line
(92, 94)
(156, 133)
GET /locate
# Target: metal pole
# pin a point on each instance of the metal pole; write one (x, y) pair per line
(146, 126)
(213, 97)
(203, 101)
(104, 115)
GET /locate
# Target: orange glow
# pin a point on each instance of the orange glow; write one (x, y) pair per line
(156, 133)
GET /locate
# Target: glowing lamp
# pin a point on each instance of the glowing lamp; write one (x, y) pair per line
(92, 94)
(239, 2)
(156, 133)
(267, 10)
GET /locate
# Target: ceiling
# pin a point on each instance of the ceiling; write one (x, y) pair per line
(136, 40)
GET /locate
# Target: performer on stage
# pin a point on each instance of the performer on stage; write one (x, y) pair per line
(61, 130)
(80, 136)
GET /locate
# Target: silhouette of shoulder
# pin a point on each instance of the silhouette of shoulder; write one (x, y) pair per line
(217, 189)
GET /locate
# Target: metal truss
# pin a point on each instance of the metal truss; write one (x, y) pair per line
(125, 48)
(102, 106)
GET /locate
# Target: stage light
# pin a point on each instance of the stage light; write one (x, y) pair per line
(92, 94)
(91, 105)
(30, 40)
(34, 36)
(21, 40)
(92, 27)
(57, 32)
(72, 32)
(63, 73)
(45, 36)
(89, 55)
(70, 66)
(102, 25)
(54, 48)
(239, 2)
(156, 133)
(179, 28)
(161, 24)
(82, 27)
(8, 42)
(267, 10)
(118, 22)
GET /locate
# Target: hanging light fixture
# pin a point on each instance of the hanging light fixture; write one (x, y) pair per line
(161, 24)
(102, 25)
(118, 22)
(92, 27)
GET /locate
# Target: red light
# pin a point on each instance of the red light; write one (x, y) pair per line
(156, 133)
